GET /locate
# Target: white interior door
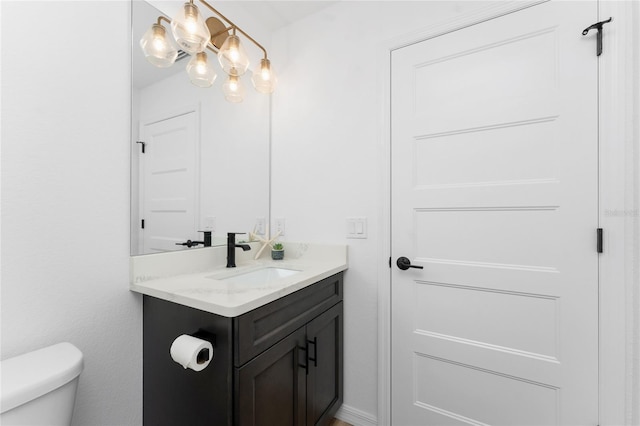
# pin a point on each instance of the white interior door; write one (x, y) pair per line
(170, 183)
(494, 194)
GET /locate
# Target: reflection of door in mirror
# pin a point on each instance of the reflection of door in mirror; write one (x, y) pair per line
(168, 183)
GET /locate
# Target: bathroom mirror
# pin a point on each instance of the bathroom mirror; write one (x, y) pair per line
(205, 165)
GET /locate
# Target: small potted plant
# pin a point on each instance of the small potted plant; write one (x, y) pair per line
(277, 251)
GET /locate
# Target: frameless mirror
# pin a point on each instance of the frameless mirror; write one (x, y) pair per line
(199, 162)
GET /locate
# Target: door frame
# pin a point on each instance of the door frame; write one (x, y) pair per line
(619, 198)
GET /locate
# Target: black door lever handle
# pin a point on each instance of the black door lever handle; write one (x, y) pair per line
(404, 264)
(190, 243)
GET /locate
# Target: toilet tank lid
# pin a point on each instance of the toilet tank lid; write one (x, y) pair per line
(31, 375)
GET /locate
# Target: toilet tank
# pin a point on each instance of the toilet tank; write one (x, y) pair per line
(39, 387)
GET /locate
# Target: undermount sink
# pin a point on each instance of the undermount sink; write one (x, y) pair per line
(259, 277)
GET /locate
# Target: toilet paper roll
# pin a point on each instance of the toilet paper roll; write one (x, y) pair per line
(191, 352)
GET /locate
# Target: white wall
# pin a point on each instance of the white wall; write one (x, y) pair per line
(327, 159)
(65, 197)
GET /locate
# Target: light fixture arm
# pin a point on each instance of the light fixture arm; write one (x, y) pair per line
(212, 48)
(162, 18)
(233, 26)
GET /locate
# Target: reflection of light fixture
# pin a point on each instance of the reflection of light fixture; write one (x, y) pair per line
(264, 79)
(200, 71)
(157, 48)
(194, 34)
(233, 88)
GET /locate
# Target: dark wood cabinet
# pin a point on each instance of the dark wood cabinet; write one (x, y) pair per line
(280, 364)
(298, 381)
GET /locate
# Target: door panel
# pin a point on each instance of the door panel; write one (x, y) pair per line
(486, 390)
(494, 193)
(481, 317)
(531, 155)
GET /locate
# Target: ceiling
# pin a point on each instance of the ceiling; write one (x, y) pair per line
(272, 16)
(278, 14)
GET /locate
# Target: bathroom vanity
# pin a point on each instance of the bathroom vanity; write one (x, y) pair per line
(276, 362)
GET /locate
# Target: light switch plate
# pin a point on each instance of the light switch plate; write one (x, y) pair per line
(279, 226)
(357, 227)
(259, 227)
(209, 224)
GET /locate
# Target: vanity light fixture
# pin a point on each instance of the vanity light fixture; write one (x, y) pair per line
(193, 34)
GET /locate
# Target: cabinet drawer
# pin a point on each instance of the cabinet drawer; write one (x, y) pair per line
(261, 328)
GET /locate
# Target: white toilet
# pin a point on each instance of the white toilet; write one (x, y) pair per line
(39, 387)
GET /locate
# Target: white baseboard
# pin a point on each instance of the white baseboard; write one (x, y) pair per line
(356, 417)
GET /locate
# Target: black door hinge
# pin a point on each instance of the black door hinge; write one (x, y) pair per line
(597, 26)
(142, 223)
(143, 145)
(599, 243)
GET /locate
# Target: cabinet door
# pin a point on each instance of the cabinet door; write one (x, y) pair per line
(324, 382)
(270, 389)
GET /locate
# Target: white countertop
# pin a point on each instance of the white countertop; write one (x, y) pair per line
(205, 289)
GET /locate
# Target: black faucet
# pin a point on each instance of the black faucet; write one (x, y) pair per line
(207, 238)
(231, 248)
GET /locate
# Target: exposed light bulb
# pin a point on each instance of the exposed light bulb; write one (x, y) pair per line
(159, 44)
(201, 68)
(234, 55)
(265, 73)
(191, 25)
(191, 19)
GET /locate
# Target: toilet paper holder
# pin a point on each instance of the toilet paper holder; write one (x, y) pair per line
(204, 356)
